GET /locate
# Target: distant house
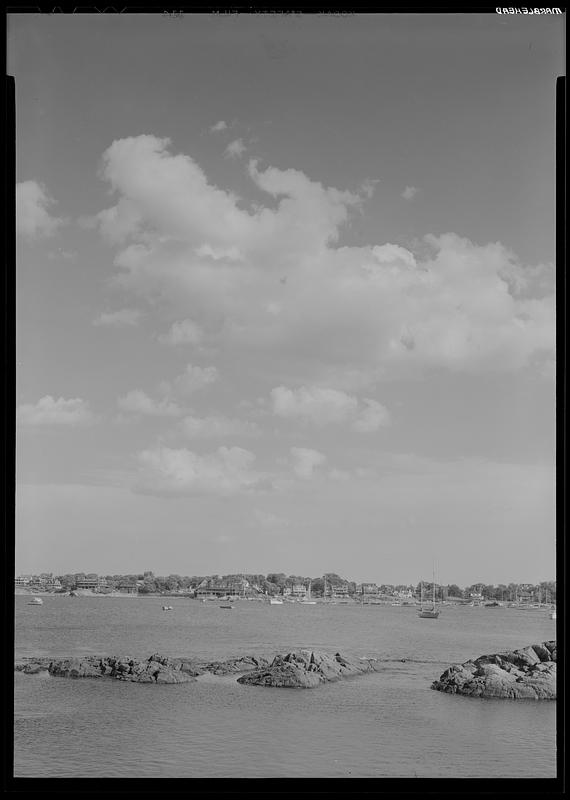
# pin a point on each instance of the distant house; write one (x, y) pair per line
(222, 587)
(368, 589)
(45, 582)
(340, 591)
(128, 587)
(298, 590)
(404, 594)
(52, 584)
(89, 582)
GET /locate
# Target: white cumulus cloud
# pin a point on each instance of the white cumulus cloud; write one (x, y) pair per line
(273, 281)
(32, 216)
(49, 411)
(323, 406)
(320, 405)
(227, 471)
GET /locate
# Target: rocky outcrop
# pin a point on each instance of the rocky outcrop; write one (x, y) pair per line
(305, 669)
(155, 669)
(234, 665)
(529, 673)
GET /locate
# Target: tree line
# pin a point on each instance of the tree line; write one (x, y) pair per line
(276, 582)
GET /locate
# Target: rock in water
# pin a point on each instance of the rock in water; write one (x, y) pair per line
(234, 665)
(305, 669)
(302, 669)
(156, 669)
(528, 673)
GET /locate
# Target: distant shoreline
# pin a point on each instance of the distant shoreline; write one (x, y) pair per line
(78, 593)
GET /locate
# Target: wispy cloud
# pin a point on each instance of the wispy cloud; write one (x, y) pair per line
(191, 380)
(126, 317)
(33, 219)
(219, 126)
(185, 331)
(305, 461)
(217, 427)
(268, 520)
(66, 255)
(235, 149)
(49, 411)
(139, 403)
(410, 192)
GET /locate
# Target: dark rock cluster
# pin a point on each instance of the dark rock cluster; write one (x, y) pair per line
(528, 673)
(155, 669)
(234, 665)
(305, 669)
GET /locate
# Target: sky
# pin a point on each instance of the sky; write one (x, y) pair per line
(285, 294)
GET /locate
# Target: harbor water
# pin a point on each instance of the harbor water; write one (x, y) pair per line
(388, 724)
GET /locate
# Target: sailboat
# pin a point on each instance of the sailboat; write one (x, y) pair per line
(325, 590)
(306, 601)
(428, 613)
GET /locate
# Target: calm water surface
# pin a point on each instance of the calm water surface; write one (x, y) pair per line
(388, 724)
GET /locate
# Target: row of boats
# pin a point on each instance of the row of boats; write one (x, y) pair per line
(430, 611)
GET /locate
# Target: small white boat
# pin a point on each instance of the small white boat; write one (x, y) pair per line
(428, 613)
(167, 608)
(275, 601)
(36, 601)
(227, 606)
(553, 614)
(308, 602)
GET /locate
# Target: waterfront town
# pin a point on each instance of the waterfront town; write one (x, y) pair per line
(292, 587)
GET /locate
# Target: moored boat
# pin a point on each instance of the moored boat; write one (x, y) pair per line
(36, 601)
(428, 612)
